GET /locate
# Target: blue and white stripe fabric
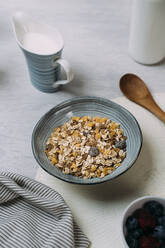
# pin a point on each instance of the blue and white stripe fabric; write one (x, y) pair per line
(33, 215)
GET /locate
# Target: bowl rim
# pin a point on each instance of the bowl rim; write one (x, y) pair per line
(74, 100)
(139, 199)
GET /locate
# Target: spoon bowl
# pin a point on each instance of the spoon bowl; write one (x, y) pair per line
(130, 83)
(136, 90)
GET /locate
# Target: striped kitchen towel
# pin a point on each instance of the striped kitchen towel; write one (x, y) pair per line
(33, 215)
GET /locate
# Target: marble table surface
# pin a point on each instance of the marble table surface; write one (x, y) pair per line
(96, 44)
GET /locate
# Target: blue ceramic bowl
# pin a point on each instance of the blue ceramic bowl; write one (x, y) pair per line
(80, 106)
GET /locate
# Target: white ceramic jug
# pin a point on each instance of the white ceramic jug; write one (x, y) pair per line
(42, 46)
(147, 31)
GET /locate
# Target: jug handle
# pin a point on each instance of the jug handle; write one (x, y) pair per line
(67, 68)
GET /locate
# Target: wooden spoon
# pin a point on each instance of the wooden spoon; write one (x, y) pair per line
(136, 90)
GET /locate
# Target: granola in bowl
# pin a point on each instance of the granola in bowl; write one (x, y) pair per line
(87, 146)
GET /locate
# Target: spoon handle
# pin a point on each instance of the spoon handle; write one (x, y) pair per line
(153, 107)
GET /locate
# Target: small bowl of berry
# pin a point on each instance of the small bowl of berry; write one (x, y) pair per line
(143, 223)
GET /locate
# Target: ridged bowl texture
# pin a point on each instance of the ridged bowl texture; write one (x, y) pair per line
(92, 106)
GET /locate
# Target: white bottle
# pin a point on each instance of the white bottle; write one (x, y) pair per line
(147, 31)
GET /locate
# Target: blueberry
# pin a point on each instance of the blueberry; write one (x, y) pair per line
(154, 208)
(159, 232)
(93, 151)
(162, 243)
(146, 220)
(132, 243)
(137, 233)
(148, 232)
(161, 220)
(121, 144)
(137, 212)
(149, 242)
(131, 223)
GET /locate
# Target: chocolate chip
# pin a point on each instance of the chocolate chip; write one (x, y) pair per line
(93, 151)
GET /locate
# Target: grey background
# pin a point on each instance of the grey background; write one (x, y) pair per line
(96, 44)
